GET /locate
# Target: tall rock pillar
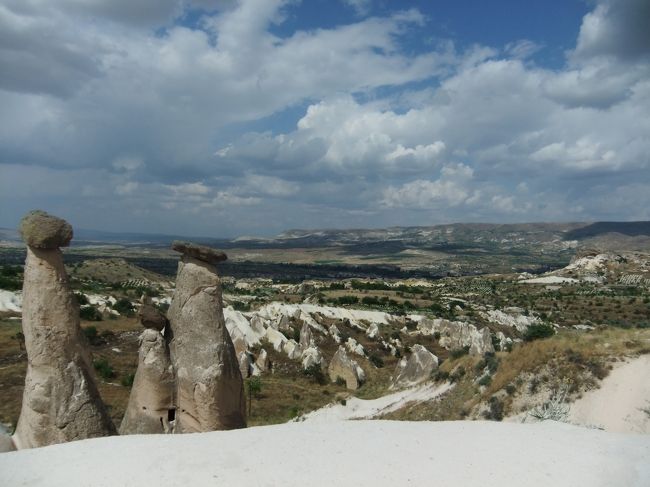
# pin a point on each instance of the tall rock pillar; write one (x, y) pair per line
(151, 402)
(60, 401)
(209, 385)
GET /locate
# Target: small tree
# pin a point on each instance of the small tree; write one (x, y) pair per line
(254, 389)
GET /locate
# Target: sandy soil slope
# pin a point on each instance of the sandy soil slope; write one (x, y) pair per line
(622, 404)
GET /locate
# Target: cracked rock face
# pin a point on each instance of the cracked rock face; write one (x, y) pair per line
(209, 385)
(60, 401)
(418, 368)
(151, 404)
(347, 369)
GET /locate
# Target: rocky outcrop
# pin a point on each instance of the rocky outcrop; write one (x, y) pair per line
(418, 368)
(6, 443)
(347, 369)
(151, 403)
(310, 357)
(209, 385)
(60, 401)
(262, 361)
(292, 349)
(306, 337)
(458, 334)
(151, 317)
(245, 364)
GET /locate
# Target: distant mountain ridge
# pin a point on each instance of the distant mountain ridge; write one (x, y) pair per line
(472, 234)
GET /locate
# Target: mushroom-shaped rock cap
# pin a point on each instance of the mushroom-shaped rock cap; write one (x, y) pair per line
(200, 252)
(44, 231)
(150, 317)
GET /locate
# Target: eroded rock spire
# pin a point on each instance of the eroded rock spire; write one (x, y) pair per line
(60, 401)
(209, 385)
(151, 407)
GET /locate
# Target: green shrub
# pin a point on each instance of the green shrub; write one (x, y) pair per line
(90, 313)
(536, 332)
(495, 411)
(241, 306)
(127, 380)
(376, 360)
(124, 307)
(104, 369)
(485, 380)
(459, 352)
(343, 300)
(371, 301)
(315, 373)
(442, 375)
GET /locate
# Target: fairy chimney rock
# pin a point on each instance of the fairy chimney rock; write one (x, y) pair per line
(60, 400)
(151, 409)
(209, 385)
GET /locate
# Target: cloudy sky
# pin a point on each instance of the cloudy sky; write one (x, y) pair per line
(232, 117)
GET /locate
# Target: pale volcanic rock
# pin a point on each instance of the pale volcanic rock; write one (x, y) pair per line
(456, 334)
(306, 337)
(262, 361)
(152, 394)
(355, 347)
(310, 357)
(292, 349)
(245, 364)
(60, 400)
(209, 385)
(41, 230)
(373, 331)
(275, 338)
(6, 443)
(347, 369)
(418, 368)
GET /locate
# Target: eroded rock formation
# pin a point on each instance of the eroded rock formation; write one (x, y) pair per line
(347, 369)
(209, 385)
(151, 403)
(60, 401)
(418, 368)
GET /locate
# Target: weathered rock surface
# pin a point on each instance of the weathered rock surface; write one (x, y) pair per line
(41, 230)
(292, 349)
(6, 443)
(347, 369)
(60, 401)
(305, 336)
(373, 331)
(416, 369)
(310, 357)
(199, 252)
(151, 317)
(262, 360)
(458, 334)
(245, 364)
(209, 385)
(151, 403)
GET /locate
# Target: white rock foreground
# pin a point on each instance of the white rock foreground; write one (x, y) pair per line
(376, 453)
